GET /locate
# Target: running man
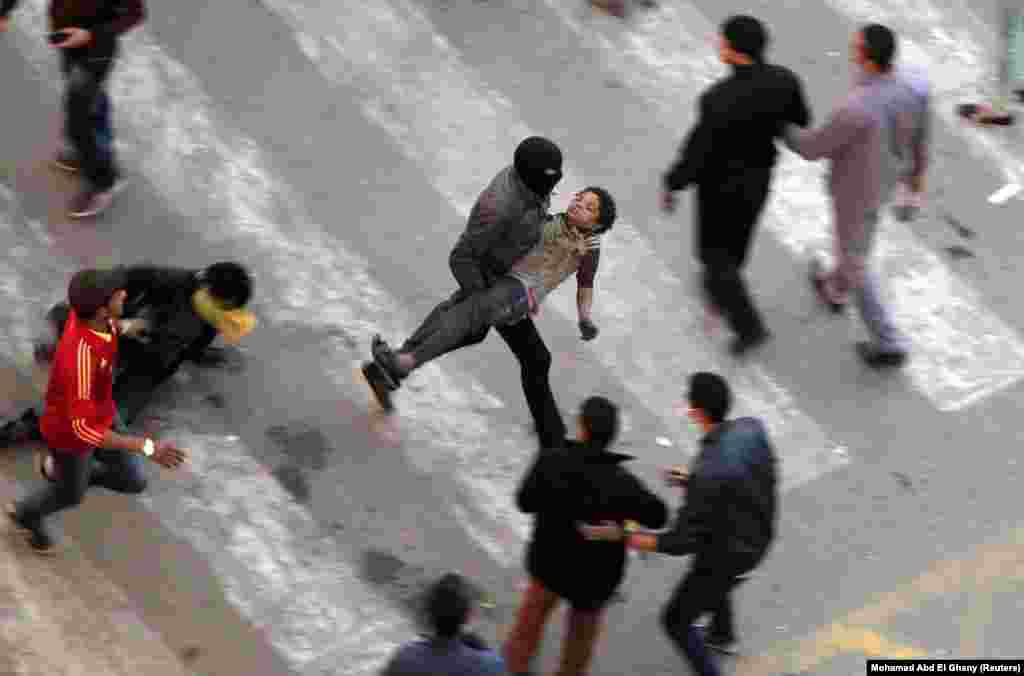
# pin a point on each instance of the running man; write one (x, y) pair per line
(80, 417)
(570, 244)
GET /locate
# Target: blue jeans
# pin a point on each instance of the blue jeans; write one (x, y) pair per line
(88, 124)
(119, 471)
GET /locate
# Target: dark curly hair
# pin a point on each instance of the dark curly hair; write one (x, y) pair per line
(229, 282)
(609, 212)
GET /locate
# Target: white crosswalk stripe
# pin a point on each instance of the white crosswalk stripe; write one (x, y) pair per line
(962, 351)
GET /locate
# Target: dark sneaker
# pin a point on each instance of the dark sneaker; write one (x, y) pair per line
(91, 202)
(388, 361)
(66, 160)
(378, 382)
(877, 358)
(37, 538)
(817, 278)
(46, 466)
(742, 345)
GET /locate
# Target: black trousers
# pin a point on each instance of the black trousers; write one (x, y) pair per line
(704, 589)
(727, 212)
(144, 371)
(461, 321)
(87, 117)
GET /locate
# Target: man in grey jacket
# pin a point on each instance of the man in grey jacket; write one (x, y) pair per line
(875, 139)
(504, 225)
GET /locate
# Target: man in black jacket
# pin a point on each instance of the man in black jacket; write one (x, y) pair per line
(582, 482)
(88, 32)
(729, 156)
(171, 315)
(727, 522)
(504, 225)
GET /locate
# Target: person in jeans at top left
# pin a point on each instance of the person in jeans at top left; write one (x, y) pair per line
(583, 481)
(90, 30)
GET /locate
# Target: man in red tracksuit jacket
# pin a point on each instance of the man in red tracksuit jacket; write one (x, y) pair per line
(89, 32)
(79, 416)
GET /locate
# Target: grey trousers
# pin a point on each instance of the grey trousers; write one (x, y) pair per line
(854, 242)
(455, 324)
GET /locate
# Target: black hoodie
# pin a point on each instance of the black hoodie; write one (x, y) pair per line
(578, 484)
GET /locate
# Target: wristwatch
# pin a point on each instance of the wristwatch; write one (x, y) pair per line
(148, 448)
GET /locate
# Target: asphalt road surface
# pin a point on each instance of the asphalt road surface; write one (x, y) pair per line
(336, 149)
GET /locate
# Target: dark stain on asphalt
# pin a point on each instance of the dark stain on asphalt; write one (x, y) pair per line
(304, 445)
(959, 227)
(216, 400)
(381, 567)
(190, 654)
(958, 252)
(292, 480)
(903, 480)
(403, 583)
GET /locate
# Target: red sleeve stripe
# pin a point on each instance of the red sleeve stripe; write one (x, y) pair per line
(86, 433)
(84, 370)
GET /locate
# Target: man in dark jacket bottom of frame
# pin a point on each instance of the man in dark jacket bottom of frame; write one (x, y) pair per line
(581, 482)
(727, 521)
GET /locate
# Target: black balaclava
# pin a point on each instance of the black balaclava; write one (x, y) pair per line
(538, 162)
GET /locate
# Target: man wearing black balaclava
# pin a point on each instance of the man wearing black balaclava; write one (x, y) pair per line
(729, 155)
(504, 225)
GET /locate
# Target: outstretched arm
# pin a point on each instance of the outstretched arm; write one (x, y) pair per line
(842, 128)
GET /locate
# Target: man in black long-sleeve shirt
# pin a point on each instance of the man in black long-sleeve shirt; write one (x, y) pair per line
(727, 521)
(89, 31)
(729, 155)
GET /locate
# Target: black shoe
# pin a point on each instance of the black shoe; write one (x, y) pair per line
(388, 361)
(818, 284)
(37, 538)
(741, 345)
(378, 382)
(877, 358)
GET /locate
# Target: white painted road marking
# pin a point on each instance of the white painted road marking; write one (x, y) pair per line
(279, 567)
(962, 351)
(413, 84)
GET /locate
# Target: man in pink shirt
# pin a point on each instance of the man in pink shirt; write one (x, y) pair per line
(875, 139)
